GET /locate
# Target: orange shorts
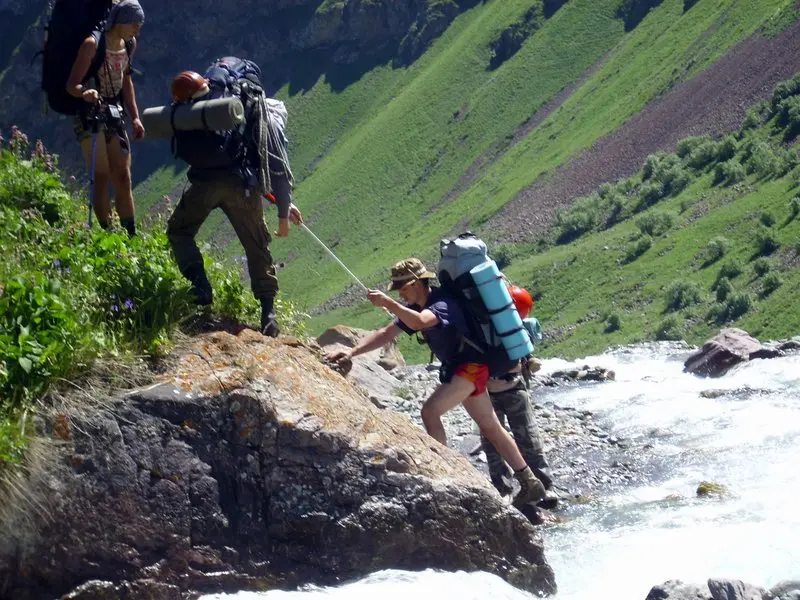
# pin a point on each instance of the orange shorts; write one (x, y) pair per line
(477, 373)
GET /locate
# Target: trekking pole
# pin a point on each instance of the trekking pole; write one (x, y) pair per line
(91, 173)
(341, 264)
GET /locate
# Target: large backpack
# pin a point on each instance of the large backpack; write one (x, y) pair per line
(205, 149)
(70, 23)
(458, 257)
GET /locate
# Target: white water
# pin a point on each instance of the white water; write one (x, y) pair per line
(747, 439)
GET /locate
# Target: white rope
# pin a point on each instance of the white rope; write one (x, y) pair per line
(349, 272)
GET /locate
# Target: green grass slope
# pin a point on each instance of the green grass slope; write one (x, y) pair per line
(699, 239)
(376, 162)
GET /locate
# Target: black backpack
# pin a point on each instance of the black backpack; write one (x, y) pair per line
(71, 22)
(203, 149)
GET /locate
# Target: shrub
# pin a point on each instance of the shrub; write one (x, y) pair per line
(767, 219)
(25, 185)
(761, 266)
(769, 284)
(724, 289)
(784, 90)
(39, 337)
(736, 305)
(613, 323)
(729, 270)
(762, 160)
(502, 255)
(669, 330)
(687, 145)
(578, 220)
(716, 249)
(703, 155)
(767, 241)
(635, 249)
(681, 294)
(729, 172)
(789, 115)
(649, 194)
(753, 118)
(794, 207)
(726, 149)
(654, 223)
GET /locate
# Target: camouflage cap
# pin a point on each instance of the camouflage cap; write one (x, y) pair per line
(408, 270)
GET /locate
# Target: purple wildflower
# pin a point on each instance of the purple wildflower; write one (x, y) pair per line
(114, 308)
(129, 304)
(57, 262)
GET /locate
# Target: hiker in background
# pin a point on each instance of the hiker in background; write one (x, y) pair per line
(105, 59)
(234, 171)
(510, 396)
(463, 378)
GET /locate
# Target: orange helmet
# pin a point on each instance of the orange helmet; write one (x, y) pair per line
(186, 84)
(522, 300)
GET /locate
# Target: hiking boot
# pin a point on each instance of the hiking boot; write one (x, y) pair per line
(269, 323)
(201, 288)
(531, 489)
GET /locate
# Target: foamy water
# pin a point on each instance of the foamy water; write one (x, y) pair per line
(741, 431)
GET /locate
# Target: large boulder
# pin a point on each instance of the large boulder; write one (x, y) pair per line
(249, 466)
(675, 589)
(727, 349)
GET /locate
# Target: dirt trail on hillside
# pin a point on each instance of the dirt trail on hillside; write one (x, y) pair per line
(713, 102)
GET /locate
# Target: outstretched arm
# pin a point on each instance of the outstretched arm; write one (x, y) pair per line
(377, 339)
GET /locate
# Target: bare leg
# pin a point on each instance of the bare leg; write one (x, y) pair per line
(444, 398)
(101, 201)
(119, 161)
(480, 409)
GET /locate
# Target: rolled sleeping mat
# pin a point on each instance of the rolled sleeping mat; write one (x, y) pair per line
(501, 309)
(212, 115)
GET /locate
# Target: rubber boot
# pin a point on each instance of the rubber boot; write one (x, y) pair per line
(201, 288)
(531, 489)
(269, 323)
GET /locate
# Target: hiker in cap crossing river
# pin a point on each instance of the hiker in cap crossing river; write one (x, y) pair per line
(463, 378)
(237, 184)
(510, 397)
(109, 100)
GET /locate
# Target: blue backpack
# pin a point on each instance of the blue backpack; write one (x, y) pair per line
(234, 148)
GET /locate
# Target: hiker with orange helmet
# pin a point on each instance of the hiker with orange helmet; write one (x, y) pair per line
(233, 170)
(510, 397)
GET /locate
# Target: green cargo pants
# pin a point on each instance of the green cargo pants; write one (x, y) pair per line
(515, 405)
(244, 211)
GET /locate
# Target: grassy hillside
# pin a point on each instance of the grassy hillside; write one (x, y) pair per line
(387, 165)
(700, 238)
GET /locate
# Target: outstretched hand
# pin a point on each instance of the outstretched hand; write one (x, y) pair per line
(337, 356)
(295, 216)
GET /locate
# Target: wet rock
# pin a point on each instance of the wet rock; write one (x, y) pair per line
(707, 489)
(142, 589)
(251, 466)
(586, 373)
(733, 589)
(727, 349)
(677, 590)
(786, 590)
(789, 345)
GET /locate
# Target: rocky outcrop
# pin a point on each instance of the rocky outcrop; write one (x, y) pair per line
(250, 466)
(723, 589)
(727, 349)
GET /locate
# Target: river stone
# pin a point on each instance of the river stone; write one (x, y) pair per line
(786, 590)
(675, 589)
(252, 466)
(734, 589)
(728, 348)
